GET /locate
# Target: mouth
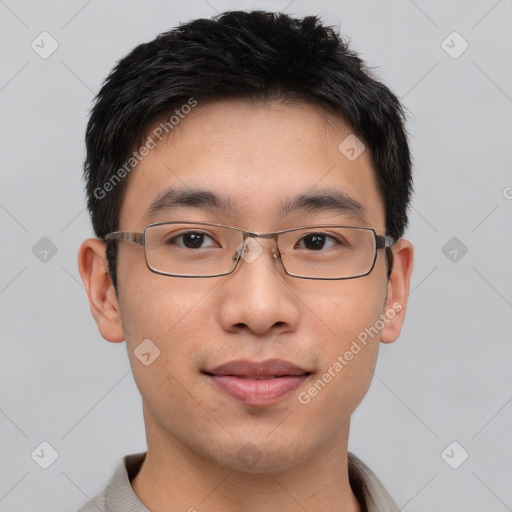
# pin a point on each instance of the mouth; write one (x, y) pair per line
(257, 383)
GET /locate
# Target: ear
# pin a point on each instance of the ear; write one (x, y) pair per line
(93, 267)
(398, 291)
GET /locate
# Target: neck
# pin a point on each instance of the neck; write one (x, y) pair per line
(176, 478)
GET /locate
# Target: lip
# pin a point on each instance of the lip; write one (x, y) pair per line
(258, 382)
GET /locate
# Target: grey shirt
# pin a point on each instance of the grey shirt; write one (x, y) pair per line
(118, 496)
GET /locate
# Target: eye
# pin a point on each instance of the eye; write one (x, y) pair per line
(193, 240)
(317, 241)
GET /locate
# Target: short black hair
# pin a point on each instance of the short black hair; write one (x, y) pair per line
(253, 55)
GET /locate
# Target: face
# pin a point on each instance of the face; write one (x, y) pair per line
(254, 157)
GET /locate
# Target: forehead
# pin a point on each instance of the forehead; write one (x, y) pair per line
(257, 158)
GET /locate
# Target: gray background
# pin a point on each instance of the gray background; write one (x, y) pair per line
(448, 377)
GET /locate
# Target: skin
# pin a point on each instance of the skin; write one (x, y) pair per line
(255, 154)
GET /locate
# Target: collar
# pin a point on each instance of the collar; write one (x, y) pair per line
(369, 491)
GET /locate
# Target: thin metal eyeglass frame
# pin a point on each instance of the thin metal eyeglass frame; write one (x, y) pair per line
(381, 242)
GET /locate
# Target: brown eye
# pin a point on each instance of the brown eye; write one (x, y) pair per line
(192, 240)
(317, 242)
(314, 241)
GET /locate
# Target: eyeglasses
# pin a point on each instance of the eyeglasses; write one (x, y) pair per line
(203, 249)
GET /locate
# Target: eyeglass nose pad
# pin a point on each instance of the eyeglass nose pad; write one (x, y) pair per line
(239, 251)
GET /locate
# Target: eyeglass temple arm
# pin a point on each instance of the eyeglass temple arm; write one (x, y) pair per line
(384, 241)
(129, 236)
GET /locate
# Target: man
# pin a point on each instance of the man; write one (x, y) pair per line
(248, 182)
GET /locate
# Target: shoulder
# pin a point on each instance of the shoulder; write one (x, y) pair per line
(118, 495)
(97, 504)
(368, 488)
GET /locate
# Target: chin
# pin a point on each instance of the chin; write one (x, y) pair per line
(261, 456)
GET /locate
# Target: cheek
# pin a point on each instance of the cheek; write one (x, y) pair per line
(159, 307)
(350, 313)
(347, 308)
(168, 319)
(173, 315)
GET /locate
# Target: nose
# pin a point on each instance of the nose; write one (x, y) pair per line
(257, 296)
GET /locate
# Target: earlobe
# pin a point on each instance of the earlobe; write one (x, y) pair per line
(398, 291)
(103, 302)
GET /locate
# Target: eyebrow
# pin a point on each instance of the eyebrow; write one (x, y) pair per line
(174, 198)
(328, 200)
(321, 201)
